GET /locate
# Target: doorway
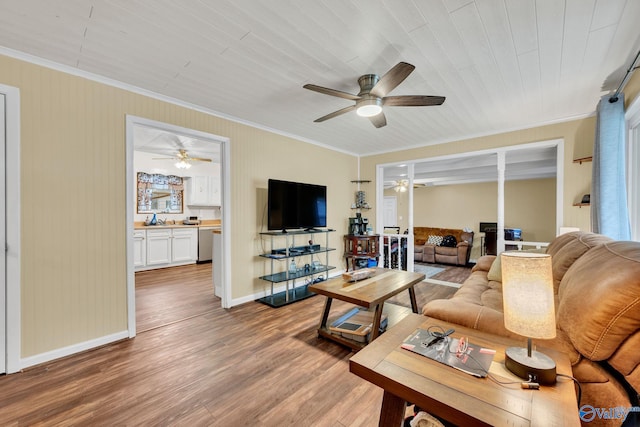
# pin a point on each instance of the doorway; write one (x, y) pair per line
(10, 326)
(461, 190)
(158, 144)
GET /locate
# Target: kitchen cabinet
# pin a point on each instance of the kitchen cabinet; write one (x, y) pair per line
(165, 247)
(204, 191)
(139, 248)
(184, 245)
(159, 246)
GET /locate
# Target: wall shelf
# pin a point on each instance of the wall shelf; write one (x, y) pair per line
(581, 204)
(583, 159)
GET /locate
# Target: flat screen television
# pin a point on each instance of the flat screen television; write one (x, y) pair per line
(294, 205)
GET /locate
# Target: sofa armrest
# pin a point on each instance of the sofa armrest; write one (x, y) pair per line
(464, 252)
(468, 314)
(484, 263)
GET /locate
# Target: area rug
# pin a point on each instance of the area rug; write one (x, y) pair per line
(427, 270)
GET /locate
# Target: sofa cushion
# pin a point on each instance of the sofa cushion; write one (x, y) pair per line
(484, 263)
(434, 240)
(495, 272)
(567, 248)
(599, 308)
(450, 241)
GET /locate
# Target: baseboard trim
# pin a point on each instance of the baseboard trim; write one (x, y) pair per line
(38, 359)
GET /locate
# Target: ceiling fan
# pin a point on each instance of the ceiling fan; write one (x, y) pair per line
(402, 185)
(183, 159)
(373, 95)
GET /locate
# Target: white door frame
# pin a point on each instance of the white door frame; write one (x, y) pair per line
(10, 282)
(501, 151)
(632, 118)
(132, 121)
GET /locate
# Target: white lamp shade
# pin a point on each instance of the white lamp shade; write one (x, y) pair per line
(527, 292)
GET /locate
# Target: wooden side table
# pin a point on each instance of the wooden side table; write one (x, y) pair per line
(458, 397)
(358, 247)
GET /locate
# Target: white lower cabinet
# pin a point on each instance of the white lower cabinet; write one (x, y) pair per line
(166, 247)
(159, 246)
(184, 246)
(139, 248)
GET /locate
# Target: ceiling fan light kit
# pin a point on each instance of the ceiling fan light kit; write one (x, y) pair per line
(182, 164)
(373, 95)
(369, 107)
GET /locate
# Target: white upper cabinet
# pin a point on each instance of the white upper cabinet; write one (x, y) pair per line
(204, 191)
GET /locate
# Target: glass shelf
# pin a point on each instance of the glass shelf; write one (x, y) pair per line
(285, 275)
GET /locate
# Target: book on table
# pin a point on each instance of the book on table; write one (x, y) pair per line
(455, 352)
(357, 324)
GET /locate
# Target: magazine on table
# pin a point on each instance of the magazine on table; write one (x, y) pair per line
(455, 352)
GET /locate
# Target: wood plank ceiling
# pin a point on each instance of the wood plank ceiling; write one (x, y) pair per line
(502, 64)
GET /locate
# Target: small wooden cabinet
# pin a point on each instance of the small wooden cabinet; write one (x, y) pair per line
(361, 247)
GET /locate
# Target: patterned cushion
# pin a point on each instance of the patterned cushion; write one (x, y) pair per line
(434, 240)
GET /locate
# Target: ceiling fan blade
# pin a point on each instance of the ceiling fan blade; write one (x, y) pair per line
(335, 114)
(199, 159)
(163, 158)
(332, 92)
(379, 120)
(413, 100)
(393, 78)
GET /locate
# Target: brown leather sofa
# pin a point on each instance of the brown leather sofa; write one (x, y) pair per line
(423, 251)
(597, 283)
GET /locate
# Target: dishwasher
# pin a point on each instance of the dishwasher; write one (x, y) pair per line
(205, 243)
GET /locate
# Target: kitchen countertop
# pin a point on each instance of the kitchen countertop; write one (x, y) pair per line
(211, 223)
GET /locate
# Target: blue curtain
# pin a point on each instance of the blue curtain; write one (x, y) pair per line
(609, 213)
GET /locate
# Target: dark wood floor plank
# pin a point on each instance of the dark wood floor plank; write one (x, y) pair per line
(196, 364)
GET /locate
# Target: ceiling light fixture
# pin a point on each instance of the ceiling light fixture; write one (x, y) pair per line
(369, 107)
(402, 186)
(182, 164)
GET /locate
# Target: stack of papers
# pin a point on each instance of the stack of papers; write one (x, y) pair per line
(474, 360)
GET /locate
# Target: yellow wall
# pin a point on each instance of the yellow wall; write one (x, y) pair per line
(73, 244)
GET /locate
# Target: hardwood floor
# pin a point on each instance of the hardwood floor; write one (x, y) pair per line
(181, 292)
(429, 290)
(200, 366)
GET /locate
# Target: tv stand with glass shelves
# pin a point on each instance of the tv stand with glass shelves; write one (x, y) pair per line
(283, 257)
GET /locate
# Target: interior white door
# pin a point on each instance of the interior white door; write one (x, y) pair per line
(390, 211)
(3, 239)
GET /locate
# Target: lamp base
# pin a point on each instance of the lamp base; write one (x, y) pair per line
(539, 365)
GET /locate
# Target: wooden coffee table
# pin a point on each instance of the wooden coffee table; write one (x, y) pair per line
(455, 396)
(368, 293)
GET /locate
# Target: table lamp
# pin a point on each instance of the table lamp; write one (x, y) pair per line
(528, 302)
